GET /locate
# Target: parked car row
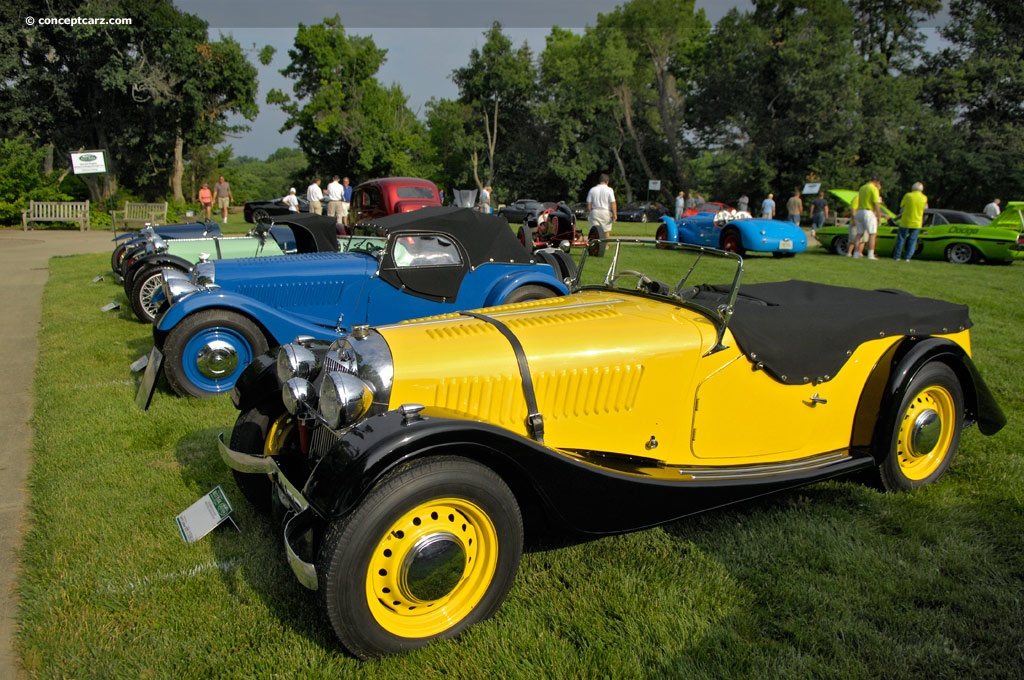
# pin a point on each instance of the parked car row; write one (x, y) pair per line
(951, 235)
(418, 402)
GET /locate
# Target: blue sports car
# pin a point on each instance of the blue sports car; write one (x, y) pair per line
(431, 261)
(737, 232)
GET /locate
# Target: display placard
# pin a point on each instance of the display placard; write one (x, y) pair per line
(205, 515)
(88, 162)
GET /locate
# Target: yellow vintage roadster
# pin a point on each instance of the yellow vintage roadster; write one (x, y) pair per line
(412, 459)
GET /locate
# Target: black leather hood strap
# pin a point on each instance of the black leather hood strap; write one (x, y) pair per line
(534, 420)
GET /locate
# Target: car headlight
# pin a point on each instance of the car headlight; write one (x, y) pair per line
(296, 361)
(297, 395)
(344, 399)
(156, 245)
(176, 285)
(204, 273)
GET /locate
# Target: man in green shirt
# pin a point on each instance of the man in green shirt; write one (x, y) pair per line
(868, 216)
(911, 220)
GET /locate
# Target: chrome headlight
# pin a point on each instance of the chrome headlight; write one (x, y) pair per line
(156, 245)
(296, 361)
(203, 273)
(297, 394)
(344, 399)
(176, 285)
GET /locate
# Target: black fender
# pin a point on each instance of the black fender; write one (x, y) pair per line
(158, 260)
(259, 378)
(888, 384)
(571, 491)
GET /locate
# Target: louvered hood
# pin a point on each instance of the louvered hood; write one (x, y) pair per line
(310, 281)
(590, 355)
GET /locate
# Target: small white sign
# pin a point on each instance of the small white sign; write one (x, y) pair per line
(205, 515)
(654, 185)
(811, 188)
(110, 307)
(88, 163)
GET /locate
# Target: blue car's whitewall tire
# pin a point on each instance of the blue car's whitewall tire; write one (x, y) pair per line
(207, 352)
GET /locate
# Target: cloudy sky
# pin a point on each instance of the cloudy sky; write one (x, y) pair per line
(425, 39)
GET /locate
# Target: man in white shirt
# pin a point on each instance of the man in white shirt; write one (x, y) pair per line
(335, 196)
(292, 201)
(346, 200)
(601, 205)
(485, 199)
(314, 195)
(992, 209)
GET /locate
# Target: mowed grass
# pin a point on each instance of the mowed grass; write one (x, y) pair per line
(835, 580)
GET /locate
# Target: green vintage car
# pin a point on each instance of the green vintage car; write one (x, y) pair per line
(950, 235)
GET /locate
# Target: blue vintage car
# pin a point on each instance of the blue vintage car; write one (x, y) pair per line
(432, 261)
(734, 231)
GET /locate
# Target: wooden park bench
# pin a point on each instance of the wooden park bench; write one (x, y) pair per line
(56, 211)
(139, 214)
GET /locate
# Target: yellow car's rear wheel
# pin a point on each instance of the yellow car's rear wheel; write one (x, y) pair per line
(927, 429)
(430, 551)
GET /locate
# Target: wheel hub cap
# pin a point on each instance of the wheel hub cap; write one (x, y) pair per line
(217, 359)
(926, 432)
(433, 567)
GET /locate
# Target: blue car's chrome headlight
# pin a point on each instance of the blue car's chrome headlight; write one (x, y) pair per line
(344, 399)
(176, 285)
(204, 273)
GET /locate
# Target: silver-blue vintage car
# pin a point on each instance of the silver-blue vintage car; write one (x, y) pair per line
(734, 231)
(432, 261)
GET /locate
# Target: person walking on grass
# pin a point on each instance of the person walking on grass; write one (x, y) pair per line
(912, 209)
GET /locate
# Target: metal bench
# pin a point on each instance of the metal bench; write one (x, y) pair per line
(139, 214)
(56, 211)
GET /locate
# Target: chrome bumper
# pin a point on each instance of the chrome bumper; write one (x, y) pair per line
(301, 516)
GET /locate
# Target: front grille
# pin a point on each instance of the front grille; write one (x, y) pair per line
(323, 438)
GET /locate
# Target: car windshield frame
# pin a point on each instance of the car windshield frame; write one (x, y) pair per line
(682, 293)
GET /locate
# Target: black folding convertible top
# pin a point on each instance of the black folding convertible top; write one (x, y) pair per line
(485, 237)
(804, 332)
(313, 233)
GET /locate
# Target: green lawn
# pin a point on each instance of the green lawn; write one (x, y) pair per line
(836, 580)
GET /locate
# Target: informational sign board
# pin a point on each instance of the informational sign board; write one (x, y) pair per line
(811, 188)
(654, 185)
(88, 162)
(205, 515)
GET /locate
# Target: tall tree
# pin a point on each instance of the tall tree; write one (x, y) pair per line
(979, 78)
(346, 121)
(499, 84)
(128, 89)
(669, 39)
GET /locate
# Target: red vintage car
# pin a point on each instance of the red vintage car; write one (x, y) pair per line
(388, 196)
(555, 225)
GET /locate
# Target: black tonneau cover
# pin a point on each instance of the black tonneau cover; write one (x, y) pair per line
(804, 332)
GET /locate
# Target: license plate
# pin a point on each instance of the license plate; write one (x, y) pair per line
(786, 244)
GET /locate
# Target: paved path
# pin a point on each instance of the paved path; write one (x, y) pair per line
(24, 266)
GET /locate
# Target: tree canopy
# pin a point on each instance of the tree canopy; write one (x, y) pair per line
(766, 99)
